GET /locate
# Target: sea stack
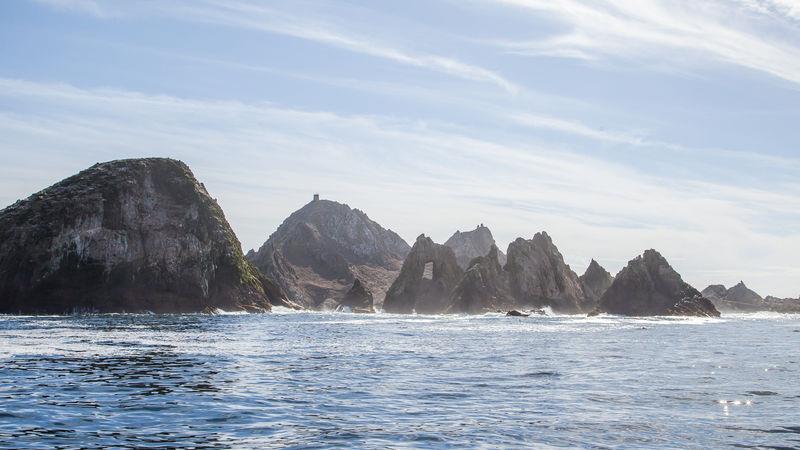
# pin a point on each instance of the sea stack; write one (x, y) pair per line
(473, 244)
(483, 288)
(649, 286)
(429, 274)
(359, 298)
(319, 251)
(594, 282)
(125, 236)
(539, 277)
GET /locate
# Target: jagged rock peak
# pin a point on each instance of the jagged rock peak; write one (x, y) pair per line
(539, 277)
(483, 288)
(472, 244)
(649, 286)
(359, 298)
(320, 249)
(595, 281)
(428, 276)
(127, 235)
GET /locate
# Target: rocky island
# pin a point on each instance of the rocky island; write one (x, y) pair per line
(649, 286)
(125, 236)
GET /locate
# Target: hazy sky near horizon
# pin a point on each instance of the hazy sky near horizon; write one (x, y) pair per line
(616, 126)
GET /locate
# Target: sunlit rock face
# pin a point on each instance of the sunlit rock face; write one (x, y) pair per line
(413, 291)
(538, 276)
(129, 235)
(483, 287)
(649, 286)
(473, 244)
(737, 298)
(320, 250)
(594, 282)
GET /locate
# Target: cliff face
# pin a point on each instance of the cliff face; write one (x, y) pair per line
(319, 251)
(483, 288)
(649, 286)
(473, 244)
(737, 298)
(594, 282)
(539, 277)
(427, 278)
(130, 235)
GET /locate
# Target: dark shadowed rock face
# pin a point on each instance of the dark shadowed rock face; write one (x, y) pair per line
(358, 298)
(649, 286)
(130, 235)
(473, 244)
(538, 276)
(737, 298)
(429, 274)
(319, 251)
(594, 282)
(483, 288)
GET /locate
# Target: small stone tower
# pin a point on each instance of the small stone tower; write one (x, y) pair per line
(316, 197)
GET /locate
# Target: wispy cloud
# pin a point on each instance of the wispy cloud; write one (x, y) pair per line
(652, 30)
(269, 18)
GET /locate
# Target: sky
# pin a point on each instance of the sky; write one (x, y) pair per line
(616, 125)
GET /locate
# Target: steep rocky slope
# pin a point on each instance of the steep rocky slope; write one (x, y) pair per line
(538, 276)
(129, 235)
(594, 282)
(358, 298)
(473, 244)
(483, 287)
(319, 251)
(429, 274)
(649, 286)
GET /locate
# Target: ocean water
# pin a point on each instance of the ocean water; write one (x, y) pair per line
(317, 380)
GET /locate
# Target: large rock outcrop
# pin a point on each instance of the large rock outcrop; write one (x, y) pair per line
(483, 287)
(473, 244)
(427, 278)
(594, 282)
(129, 235)
(538, 276)
(649, 286)
(320, 250)
(737, 298)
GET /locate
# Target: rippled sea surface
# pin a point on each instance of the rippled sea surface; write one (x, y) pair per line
(333, 380)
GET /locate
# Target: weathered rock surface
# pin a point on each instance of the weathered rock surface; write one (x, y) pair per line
(428, 276)
(483, 287)
(321, 249)
(473, 244)
(129, 235)
(649, 286)
(538, 276)
(737, 298)
(358, 298)
(594, 282)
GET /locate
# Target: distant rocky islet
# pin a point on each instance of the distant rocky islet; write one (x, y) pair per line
(144, 235)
